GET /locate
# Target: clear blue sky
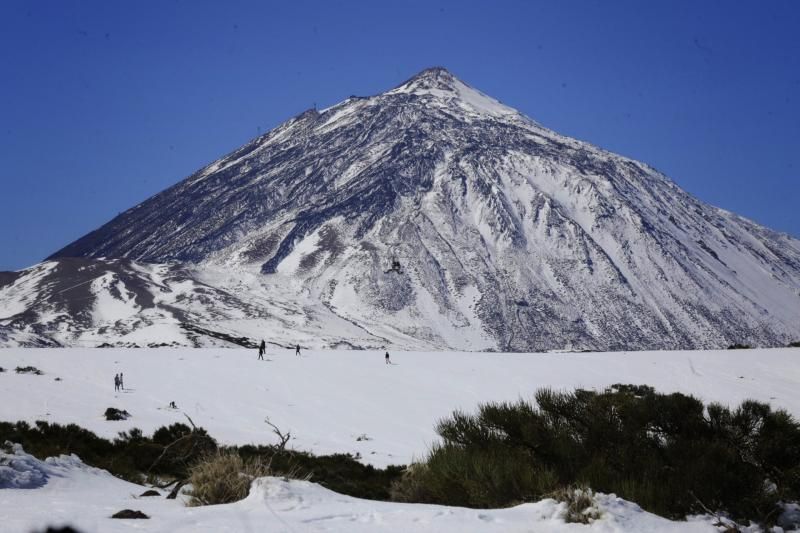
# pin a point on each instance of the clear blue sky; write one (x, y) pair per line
(103, 104)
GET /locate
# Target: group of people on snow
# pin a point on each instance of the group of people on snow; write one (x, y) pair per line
(118, 383)
(262, 349)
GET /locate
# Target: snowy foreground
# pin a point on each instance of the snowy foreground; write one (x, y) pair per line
(65, 491)
(331, 401)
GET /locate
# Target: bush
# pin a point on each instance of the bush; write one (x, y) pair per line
(738, 346)
(795, 344)
(666, 452)
(171, 450)
(410, 486)
(131, 456)
(580, 508)
(224, 477)
(341, 473)
(112, 413)
(178, 447)
(485, 477)
(28, 370)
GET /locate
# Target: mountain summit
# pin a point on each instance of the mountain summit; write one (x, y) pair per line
(430, 78)
(432, 215)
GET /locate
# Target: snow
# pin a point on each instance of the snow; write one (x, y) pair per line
(482, 103)
(20, 294)
(64, 491)
(327, 399)
(113, 301)
(451, 89)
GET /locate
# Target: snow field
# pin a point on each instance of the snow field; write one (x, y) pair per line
(327, 399)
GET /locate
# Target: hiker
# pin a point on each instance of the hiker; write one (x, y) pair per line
(172, 405)
(388, 362)
(121, 383)
(297, 350)
(116, 382)
(261, 349)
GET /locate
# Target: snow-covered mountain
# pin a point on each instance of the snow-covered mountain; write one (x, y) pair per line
(429, 216)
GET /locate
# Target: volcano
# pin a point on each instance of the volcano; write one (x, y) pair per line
(430, 216)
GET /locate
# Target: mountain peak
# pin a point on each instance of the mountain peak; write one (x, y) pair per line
(442, 85)
(434, 74)
(431, 78)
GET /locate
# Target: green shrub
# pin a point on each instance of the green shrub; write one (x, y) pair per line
(171, 450)
(166, 435)
(485, 477)
(131, 456)
(341, 473)
(666, 452)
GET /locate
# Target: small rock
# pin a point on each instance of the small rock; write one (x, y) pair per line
(150, 492)
(128, 513)
(28, 370)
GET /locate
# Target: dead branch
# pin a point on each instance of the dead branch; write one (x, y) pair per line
(174, 492)
(190, 421)
(195, 436)
(283, 437)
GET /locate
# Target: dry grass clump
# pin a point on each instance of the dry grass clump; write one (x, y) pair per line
(224, 477)
(410, 487)
(581, 508)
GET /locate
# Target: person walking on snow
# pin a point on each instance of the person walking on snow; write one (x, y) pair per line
(297, 350)
(121, 383)
(388, 362)
(261, 349)
(116, 382)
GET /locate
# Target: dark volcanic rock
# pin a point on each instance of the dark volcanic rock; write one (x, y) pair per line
(129, 513)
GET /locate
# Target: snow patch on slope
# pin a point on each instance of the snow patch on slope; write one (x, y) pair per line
(18, 296)
(113, 301)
